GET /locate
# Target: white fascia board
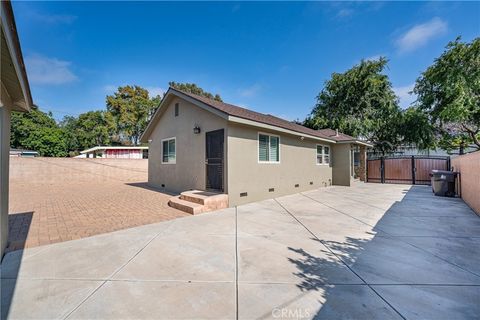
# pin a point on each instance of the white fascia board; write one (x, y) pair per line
(7, 31)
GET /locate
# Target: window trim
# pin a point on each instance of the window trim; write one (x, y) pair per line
(258, 148)
(161, 144)
(323, 155)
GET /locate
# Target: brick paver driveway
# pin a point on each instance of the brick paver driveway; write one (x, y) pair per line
(367, 252)
(55, 199)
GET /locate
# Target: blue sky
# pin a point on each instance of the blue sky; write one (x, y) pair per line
(273, 57)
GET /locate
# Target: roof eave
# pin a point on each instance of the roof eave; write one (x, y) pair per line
(171, 91)
(364, 143)
(275, 128)
(11, 37)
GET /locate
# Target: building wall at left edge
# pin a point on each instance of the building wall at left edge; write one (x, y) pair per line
(5, 113)
(15, 95)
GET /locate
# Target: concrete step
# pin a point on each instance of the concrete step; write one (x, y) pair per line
(186, 206)
(212, 200)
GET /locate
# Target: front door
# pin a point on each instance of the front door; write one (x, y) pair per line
(214, 159)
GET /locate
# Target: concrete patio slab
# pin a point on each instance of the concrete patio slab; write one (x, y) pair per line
(159, 300)
(337, 252)
(286, 301)
(302, 261)
(97, 257)
(43, 299)
(188, 257)
(254, 220)
(433, 302)
(467, 250)
(385, 260)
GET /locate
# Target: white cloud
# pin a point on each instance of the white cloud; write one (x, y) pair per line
(403, 93)
(155, 91)
(420, 34)
(44, 70)
(54, 18)
(250, 91)
(344, 13)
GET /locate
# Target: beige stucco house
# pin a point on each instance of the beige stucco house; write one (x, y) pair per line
(198, 143)
(15, 96)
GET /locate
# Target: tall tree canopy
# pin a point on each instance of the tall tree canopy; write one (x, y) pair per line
(193, 88)
(360, 102)
(92, 128)
(131, 108)
(416, 129)
(38, 131)
(449, 91)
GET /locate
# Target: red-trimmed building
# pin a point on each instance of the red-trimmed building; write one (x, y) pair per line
(117, 152)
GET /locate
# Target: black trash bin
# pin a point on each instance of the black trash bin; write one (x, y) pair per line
(443, 183)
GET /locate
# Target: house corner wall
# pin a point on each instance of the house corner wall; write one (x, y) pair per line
(362, 170)
(5, 114)
(342, 165)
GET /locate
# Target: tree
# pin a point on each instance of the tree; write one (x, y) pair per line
(193, 88)
(93, 128)
(131, 108)
(360, 102)
(69, 127)
(449, 91)
(416, 129)
(38, 131)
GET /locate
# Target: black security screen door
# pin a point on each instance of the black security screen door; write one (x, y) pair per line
(214, 159)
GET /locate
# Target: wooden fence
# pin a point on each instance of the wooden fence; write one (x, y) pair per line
(405, 169)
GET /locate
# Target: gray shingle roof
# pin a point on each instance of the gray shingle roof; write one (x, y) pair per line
(243, 113)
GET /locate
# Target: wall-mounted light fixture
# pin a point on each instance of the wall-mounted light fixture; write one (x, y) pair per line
(196, 129)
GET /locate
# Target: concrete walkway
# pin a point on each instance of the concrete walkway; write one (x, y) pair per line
(367, 252)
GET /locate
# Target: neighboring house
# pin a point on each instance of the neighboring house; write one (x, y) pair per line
(120, 152)
(201, 144)
(15, 96)
(23, 153)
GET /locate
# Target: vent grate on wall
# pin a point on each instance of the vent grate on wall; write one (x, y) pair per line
(297, 185)
(271, 189)
(243, 194)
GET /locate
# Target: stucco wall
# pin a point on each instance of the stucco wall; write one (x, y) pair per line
(469, 167)
(189, 170)
(297, 166)
(4, 167)
(342, 160)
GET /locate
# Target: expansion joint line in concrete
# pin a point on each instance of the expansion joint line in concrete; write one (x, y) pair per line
(339, 258)
(115, 272)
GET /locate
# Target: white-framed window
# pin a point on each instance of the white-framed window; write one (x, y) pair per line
(169, 150)
(268, 148)
(323, 154)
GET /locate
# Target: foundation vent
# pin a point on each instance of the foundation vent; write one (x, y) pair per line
(243, 194)
(271, 189)
(297, 185)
